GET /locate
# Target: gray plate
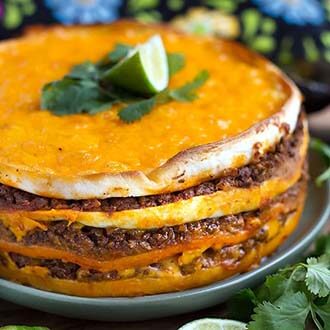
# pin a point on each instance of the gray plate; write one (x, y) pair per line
(315, 216)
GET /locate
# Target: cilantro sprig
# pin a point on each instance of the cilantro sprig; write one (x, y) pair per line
(185, 93)
(290, 297)
(82, 90)
(324, 150)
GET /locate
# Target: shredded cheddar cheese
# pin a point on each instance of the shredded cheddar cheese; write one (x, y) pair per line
(239, 93)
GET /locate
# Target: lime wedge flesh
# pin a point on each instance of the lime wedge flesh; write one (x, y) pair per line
(214, 324)
(144, 71)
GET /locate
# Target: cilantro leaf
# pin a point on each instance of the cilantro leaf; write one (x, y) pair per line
(322, 245)
(320, 146)
(324, 313)
(188, 91)
(323, 149)
(119, 95)
(323, 177)
(242, 304)
(82, 90)
(176, 62)
(299, 274)
(274, 286)
(288, 312)
(85, 71)
(70, 96)
(118, 53)
(136, 110)
(288, 297)
(318, 275)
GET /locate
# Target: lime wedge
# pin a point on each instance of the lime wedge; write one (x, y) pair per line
(144, 70)
(214, 324)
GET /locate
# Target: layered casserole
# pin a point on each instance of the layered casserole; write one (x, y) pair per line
(190, 194)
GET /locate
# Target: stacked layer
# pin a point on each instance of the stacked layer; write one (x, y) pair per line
(191, 194)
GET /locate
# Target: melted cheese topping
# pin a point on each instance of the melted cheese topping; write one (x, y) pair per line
(241, 91)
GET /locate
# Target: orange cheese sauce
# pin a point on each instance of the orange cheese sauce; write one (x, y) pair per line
(240, 92)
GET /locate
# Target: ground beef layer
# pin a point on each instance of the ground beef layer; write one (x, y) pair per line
(172, 274)
(227, 256)
(275, 163)
(110, 243)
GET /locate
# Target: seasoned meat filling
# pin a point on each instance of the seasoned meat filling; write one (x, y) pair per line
(227, 256)
(107, 243)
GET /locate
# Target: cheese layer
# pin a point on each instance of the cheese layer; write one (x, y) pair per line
(172, 279)
(268, 218)
(218, 204)
(98, 156)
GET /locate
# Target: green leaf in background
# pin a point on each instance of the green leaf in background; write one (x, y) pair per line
(285, 54)
(144, 10)
(152, 16)
(288, 312)
(263, 43)
(324, 149)
(325, 38)
(311, 50)
(176, 62)
(327, 55)
(268, 25)
(28, 7)
(227, 6)
(321, 147)
(318, 275)
(175, 5)
(327, 8)
(13, 16)
(322, 245)
(251, 19)
(15, 11)
(139, 5)
(258, 30)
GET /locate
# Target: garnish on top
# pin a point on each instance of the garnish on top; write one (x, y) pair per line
(135, 77)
